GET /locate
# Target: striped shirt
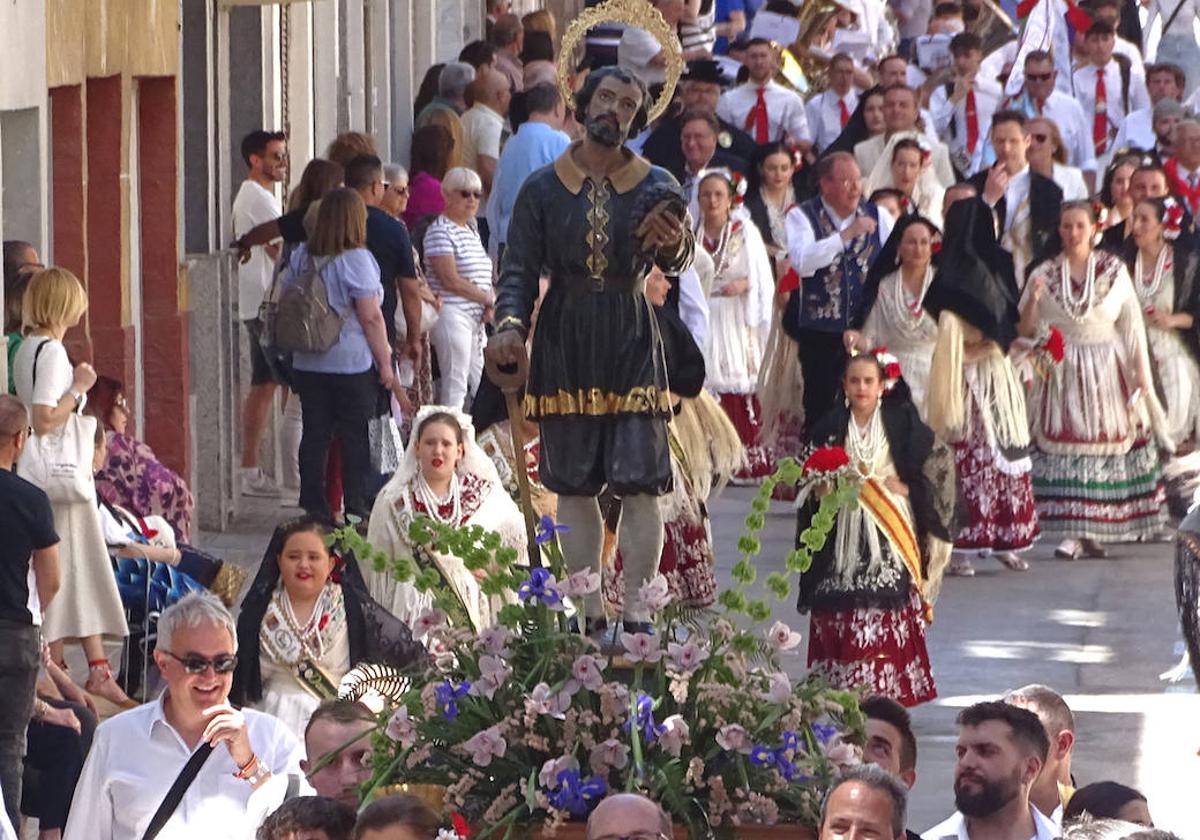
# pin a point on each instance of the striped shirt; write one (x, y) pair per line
(445, 238)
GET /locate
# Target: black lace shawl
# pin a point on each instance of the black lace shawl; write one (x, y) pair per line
(376, 635)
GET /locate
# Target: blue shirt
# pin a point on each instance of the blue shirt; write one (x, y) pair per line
(350, 276)
(533, 146)
(724, 8)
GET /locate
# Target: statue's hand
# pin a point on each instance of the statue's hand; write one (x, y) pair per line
(505, 356)
(661, 229)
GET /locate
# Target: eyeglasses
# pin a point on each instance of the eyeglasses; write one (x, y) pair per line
(475, 194)
(1039, 77)
(122, 403)
(399, 190)
(1041, 138)
(198, 664)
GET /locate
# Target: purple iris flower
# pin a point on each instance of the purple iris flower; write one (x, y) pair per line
(447, 693)
(762, 755)
(548, 530)
(574, 794)
(540, 586)
(644, 718)
(824, 732)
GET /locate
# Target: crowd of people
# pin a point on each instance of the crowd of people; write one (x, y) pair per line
(973, 268)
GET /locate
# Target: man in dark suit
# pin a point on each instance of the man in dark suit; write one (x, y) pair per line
(700, 90)
(1024, 204)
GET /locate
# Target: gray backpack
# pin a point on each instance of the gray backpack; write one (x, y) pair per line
(297, 316)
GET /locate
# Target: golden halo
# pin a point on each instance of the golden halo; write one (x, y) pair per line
(637, 13)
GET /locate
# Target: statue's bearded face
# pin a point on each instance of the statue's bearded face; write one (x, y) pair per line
(612, 110)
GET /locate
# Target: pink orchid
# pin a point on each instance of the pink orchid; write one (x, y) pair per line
(734, 738)
(675, 734)
(492, 674)
(548, 775)
(783, 637)
(687, 657)
(543, 701)
(588, 672)
(429, 620)
(841, 753)
(641, 647)
(402, 729)
(494, 640)
(578, 584)
(485, 745)
(655, 593)
(779, 688)
(608, 754)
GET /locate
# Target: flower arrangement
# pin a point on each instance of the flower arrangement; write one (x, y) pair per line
(528, 724)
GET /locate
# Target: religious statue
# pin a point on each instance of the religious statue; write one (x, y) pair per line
(597, 221)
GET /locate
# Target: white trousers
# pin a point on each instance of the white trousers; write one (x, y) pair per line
(458, 339)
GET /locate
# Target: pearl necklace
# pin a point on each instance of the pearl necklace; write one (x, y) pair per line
(1078, 307)
(865, 444)
(720, 258)
(432, 503)
(1147, 292)
(912, 313)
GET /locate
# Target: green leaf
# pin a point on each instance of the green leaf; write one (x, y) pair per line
(814, 539)
(778, 585)
(744, 572)
(733, 600)
(760, 505)
(755, 521)
(799, 560)
(428, 580)
(758, 610)
(506, 555)
(749, 545)
(403, 569)
(511, 615)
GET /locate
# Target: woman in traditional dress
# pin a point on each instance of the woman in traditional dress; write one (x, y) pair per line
(975, 401)
(893, 300)
(447, 478)
(1117, 200)
(773, 191)
(1165, 279)
(865, 587)
(740, 305)
(1096, 474)
(905, 166)
(306, 621)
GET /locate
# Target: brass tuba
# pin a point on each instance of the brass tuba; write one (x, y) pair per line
(816, 18)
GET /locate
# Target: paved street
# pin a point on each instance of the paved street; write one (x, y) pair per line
(1101, 632)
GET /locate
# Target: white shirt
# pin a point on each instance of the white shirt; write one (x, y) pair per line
(809, 254)
(482, 130)
(946, 113)
(137, 755)
(955, 828)
(1075, 128)
(252, 206)
(634, 53)
(1137, 130)
(1014, 194)
(825, 117)
(6, 827)
(1130, 50)
(1085, 93)
(785, 111)
(1071, 180)
(1181, 26)
(693, 305)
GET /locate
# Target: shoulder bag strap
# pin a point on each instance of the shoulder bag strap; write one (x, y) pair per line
(36, 354)
(178, 788)
(1174, 15)
(293, 787)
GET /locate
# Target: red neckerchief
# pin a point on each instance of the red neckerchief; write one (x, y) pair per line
(1191, 197)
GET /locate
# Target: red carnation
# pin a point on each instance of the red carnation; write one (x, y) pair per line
(460, 824)
(1174, 216)
(826, 459)
(935, 247)
(789, 282)
(1055, 345)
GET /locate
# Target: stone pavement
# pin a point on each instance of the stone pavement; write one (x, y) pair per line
(1099, 631)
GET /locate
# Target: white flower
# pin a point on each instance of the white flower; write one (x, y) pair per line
(401, 728)
(494, 640)
(783, 637)
(447, 834)
(485, 745)
(779, 688)
(841, 753)
(687, 657)
(492, 674)
(588, 672)
(675, 734)
(734, 738)
(429, 620)
(608, 754)
(543, 701)
(580, 583)
(641, 647)
(655, 593)
(548, 776)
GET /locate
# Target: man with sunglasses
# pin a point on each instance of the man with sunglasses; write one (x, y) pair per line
(137, 755)
(1042, 99)
(29, 578)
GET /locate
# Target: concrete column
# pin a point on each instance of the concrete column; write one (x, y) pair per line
(378, 33)
(406, 78)
(354, 56)
(326, 67)
(302, 141)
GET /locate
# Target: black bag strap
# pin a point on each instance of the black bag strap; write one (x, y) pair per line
(36, 354)
(1174, 15)
(293, 787)
(178, 788)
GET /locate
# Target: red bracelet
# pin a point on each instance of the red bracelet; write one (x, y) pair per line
(243, 771)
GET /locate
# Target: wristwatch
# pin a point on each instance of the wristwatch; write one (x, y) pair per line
(78, 397)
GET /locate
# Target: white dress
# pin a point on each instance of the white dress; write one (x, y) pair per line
(87, 603)
(1178, 374)
(738, 326)
(901, 324)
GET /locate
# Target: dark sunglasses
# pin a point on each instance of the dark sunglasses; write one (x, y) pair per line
(399, 190)
(1039, 77)
(1041, 138)
(470, 194)
(198, 664)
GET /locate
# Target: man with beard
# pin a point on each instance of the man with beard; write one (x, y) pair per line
(1001, 749)
(596, 222)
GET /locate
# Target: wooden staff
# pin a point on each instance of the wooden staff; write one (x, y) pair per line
(510, 382)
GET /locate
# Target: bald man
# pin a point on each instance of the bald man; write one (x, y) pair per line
(483, 124)
(628, 815)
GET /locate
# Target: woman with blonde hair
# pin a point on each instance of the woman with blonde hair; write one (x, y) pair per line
(87, 607)
(340, 387)
(1048, 156)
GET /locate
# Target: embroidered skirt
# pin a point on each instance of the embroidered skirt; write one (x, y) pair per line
(744, 413)
(882, 650)
(1113, 498)
(686, 563)
(997, 494)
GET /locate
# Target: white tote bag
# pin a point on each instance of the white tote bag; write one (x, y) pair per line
(60, 463)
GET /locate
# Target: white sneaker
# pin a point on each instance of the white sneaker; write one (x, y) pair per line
(257, 483)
